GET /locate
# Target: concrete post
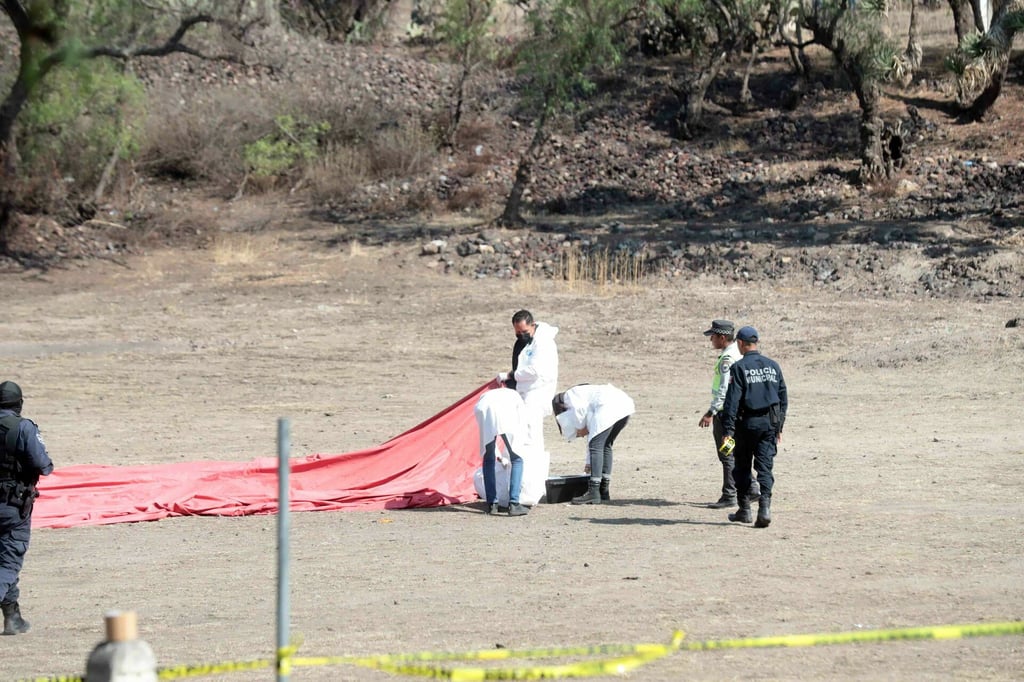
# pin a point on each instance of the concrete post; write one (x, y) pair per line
(122, 657)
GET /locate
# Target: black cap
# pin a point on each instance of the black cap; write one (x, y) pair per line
(721, 327)
(10, 394)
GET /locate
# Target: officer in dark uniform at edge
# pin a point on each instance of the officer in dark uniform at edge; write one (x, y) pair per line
(753, 417)
(23, 459)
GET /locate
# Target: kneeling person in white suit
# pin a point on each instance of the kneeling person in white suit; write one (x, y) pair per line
(500, 413)
(599, 412)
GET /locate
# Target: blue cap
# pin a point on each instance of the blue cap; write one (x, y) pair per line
(748, 334)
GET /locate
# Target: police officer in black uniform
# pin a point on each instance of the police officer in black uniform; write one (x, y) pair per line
(23, 459)
(754, 415)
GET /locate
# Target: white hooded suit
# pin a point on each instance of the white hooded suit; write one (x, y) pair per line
(536, 378)
(502, 411)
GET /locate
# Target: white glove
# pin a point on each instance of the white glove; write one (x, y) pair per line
(502, 377)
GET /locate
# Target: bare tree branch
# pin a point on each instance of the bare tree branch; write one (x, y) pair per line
(171, 45)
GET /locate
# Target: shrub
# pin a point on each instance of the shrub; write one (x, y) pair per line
(280, 153)
(188, 138)
(80, 116)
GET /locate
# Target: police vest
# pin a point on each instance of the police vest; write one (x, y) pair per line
(716, 383)
(11, 467)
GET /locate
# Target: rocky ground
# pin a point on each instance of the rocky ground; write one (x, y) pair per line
(764, 193)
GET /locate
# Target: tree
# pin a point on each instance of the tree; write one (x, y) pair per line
(334, 20)
(569, 40)
(465, 27)
(711, 33)
(981, 61)
(55, 34)
(856, 37)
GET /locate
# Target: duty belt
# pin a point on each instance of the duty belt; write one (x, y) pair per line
(17, 493)
(756, 413)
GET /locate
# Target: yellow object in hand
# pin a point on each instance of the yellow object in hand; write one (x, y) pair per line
(727, 446)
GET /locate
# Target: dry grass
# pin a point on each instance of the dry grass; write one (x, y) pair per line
(337, 174)
(356, 250)
(730, 145)
(401, 151)
(203, 138)
(472, 197)
(476, 132)
(241, 249)
(601, 271)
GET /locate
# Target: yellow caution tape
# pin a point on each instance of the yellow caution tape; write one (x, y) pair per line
(505, 654)
(204, 669)
(626, 657)
(859, 636)
(639, 655)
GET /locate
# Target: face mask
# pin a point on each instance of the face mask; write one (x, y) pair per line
(525, 336)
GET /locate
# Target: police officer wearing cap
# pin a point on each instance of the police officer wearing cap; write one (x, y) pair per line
(723, 339)
(23, 459)
(753, 417)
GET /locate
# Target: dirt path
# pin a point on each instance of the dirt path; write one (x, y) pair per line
(898, 483)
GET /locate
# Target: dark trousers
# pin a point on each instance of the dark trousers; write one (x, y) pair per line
(14, 536)
(728, 463)
(600, 447)
(755, 449)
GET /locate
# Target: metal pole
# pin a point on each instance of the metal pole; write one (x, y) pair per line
(283, 469)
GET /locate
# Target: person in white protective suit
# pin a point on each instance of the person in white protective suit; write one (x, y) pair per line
(534, 372)
(599, 412)
(502, 479)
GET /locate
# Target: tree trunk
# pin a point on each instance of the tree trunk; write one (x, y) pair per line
(745, 96)
(9, 110)
(963, 18)
(694, 92)
(866, 86)
(459, 95)
(987, 99)
(873, 162)
(802, 67)
(914, 52)
(985, 76)
(512, 215)
(6, 199)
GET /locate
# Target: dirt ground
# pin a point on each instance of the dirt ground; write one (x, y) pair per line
(897, 500)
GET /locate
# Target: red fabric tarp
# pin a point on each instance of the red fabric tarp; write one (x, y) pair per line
(429, 465)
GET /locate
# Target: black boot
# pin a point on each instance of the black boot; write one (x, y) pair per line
(764, 512)
(742, 514)
(14, 624)
(606, 484)
(592, 496)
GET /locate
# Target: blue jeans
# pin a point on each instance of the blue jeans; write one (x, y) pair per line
(515, 478)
